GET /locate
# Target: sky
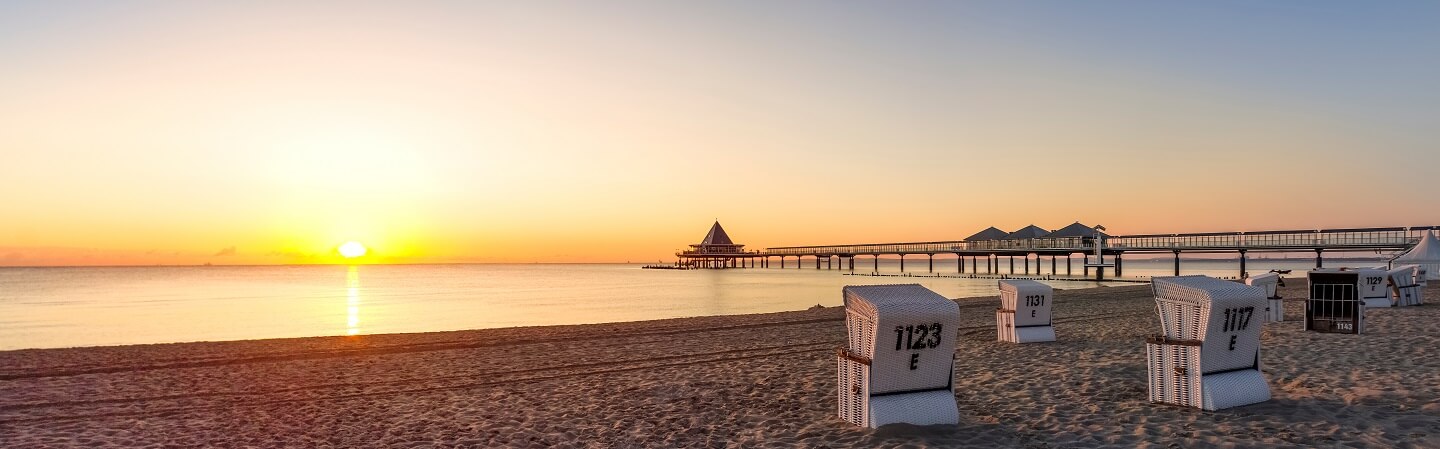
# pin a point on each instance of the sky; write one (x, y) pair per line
(144, 132)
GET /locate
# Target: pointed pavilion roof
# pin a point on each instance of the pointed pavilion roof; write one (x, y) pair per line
(990, 233)
(1028, 232)
(717, 236)
(1075, 230)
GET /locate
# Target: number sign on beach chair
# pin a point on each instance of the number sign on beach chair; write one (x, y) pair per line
(1275, 307)
(1373, 290)
(1336, 304)
(1209, 355)
(898, 366)
(1403, 288)
(1024, 313)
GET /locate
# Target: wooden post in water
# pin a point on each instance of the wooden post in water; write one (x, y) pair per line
(1177, 262)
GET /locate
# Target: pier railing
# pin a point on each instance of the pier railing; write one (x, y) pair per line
(1394, 238)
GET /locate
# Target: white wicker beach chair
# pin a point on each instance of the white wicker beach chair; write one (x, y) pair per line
(1024, 313)
(1373, 287)
(1209, 354)
(1335, 304)
(1403, 288)
(899, 363)
(1274, 307)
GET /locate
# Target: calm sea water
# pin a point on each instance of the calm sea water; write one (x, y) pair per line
(63, 307)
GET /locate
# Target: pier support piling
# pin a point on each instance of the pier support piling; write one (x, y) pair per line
(1119, 264)
(931, 258)
(1177, 262)
(1243, 273)
(1319, 259)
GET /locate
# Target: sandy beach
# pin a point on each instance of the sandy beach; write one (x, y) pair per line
(764, 380)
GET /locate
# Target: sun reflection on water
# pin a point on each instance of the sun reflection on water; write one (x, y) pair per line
(352, 301)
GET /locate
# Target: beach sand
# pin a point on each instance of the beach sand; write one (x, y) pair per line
(763, 380)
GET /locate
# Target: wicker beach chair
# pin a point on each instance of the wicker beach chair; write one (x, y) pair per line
(1024, 313)
(1336, 304)
(899, 361)
(1404, 290)
(1275, 306)
(1209, 353)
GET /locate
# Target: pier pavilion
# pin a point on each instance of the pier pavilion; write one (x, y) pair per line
(716, 250)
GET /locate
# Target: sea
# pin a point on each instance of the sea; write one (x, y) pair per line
(52, 307)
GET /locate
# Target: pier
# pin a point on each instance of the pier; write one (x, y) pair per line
(992, 251)
(996, 251)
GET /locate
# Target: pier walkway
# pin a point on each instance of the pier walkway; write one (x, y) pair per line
(1393, 239)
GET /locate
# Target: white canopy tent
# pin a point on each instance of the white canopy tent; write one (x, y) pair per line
(1425, 254)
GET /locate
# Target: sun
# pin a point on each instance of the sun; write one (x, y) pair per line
(352, 249)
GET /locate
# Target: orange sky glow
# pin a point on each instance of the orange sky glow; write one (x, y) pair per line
(180, 133)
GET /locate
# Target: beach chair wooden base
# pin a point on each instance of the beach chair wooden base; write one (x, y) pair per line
(858, 406)
(1006, 330)
(1175, 378)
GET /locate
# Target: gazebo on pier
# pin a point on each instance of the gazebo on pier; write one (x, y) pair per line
(717, 251)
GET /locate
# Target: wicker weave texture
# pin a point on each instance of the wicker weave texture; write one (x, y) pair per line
(1408, 295)
(1212, 328)
(1270, 282)
(1185, 304)
(1233, 389)
(922, 408)
(854, 389)
(1275, 311)
(1175, 379)
(1030, 300)
(1404, 291)
(907, 331)
(1005, 326)
(1174, 374)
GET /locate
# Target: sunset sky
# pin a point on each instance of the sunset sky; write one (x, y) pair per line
(136, 132)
